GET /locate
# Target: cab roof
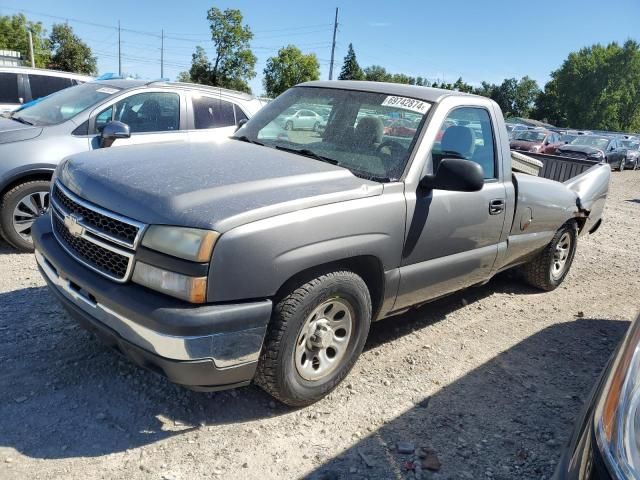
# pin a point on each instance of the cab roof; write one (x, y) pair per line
(426, 94)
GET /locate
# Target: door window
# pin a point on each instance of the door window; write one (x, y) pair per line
(9, 88)
(149, 112)
(467, 134)
(240, 115)
(43, 85)
(212, 112)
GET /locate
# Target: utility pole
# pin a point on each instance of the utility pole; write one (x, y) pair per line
(119, 55)
(333, 46)
(162, 54)
(33, 59)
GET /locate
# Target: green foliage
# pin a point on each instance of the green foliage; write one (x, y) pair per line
(515, 97)
(350, 68)
(234, 63)
(14, 36)
(288, 68)
(69, 53)
(597, 87)
(184, 77)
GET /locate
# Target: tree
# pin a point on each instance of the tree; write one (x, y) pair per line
(14, 36)
(288, 68)
(350, 68)
(68, 52)
(597, 87)
(184, 77)
(233, 64)
(376, 73)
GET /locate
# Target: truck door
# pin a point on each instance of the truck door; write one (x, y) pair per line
(452, 238)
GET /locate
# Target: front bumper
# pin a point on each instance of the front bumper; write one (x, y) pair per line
(205, 347)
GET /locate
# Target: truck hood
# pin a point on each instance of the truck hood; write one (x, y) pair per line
(207, 185)
(12, 131)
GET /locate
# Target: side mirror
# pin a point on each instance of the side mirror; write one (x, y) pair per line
(456, 175)
(113, 131)
(241, 123)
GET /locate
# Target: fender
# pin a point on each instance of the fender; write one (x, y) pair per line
(254, 260)
(25, 171)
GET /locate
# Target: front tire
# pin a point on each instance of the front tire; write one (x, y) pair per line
(19, 208)
(622, 163)
(316, 334)
(551, 266)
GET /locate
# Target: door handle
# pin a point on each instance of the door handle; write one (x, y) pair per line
(496, 207)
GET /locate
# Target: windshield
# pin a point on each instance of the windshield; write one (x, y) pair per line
(371, 134)
(567, 138)
(530, 136)
(63, 105)
(589, 141)
(630, 144)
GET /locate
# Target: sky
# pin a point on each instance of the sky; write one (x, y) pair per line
(477, 41)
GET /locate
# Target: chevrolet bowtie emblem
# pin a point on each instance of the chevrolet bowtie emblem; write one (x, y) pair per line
(72, 222)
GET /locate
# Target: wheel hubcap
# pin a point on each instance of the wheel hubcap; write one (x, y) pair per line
(27, 210)
(561, 255)
(322, 342)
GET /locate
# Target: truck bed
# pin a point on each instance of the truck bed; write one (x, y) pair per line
(560, 168)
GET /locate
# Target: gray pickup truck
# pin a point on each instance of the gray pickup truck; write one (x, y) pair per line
(265, 257)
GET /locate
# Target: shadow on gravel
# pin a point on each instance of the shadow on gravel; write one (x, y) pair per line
(634, 200)
(395, 327)
(527, 399)
(65, 395)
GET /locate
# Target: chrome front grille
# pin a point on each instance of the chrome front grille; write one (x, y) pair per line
(106, 224)
(101, 240)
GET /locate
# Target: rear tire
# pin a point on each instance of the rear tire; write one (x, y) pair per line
(19, 208)
(316, 334)
(622, 163)
(551, 266)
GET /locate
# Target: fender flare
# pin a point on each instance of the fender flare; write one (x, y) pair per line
(12, 176)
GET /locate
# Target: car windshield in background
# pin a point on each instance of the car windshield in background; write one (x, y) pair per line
(589, 141)
(371, 134)
(530, 136)
(568, 138)
(63, 105)
(630, 145)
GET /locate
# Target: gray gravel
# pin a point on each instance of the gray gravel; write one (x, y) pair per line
(483, 384)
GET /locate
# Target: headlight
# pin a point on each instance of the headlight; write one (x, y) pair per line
(598, 154)
(617, 417)
(188, 243)
(192, 289)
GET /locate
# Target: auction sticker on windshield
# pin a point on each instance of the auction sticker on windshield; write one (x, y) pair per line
(107, 90)
(406, 103)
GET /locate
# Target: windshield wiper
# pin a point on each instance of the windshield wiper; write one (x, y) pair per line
(244, 138)
(307, 153)
(21, 120)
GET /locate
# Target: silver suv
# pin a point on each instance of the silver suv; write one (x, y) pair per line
(111, 113)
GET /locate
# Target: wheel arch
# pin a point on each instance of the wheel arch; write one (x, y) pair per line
(32, 173)
(368, 267)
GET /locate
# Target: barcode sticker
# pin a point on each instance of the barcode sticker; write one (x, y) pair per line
(412, 104)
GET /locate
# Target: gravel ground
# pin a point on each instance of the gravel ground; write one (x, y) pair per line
(489, 380)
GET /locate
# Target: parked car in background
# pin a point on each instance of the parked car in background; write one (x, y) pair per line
(514, 128)
(401, 127)
(20, 85)
(304, 120)
(632, 147)
(95, 115)
(534, 140)
(604, 443)
(596, 147)
(551, 149)
(265, 259)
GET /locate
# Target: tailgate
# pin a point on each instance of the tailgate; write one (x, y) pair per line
(591, 187)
